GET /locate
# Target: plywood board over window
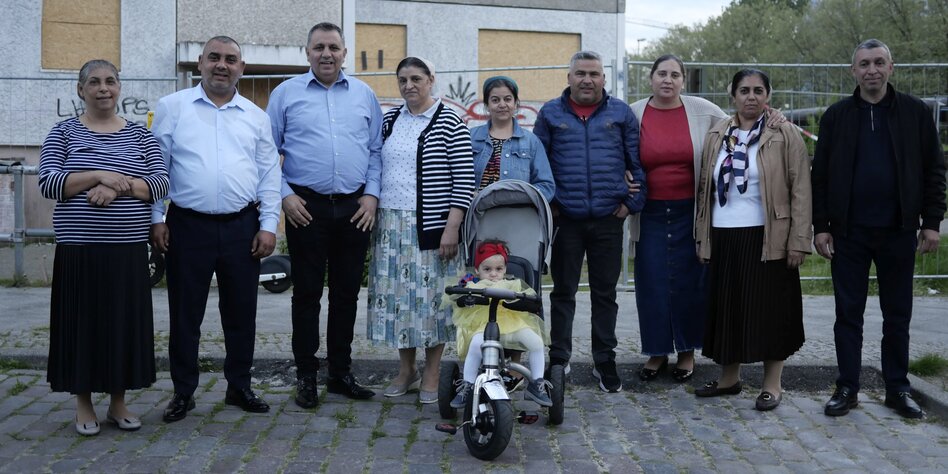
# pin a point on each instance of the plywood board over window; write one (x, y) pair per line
(379, 48)
(504, 48)
(75, 32)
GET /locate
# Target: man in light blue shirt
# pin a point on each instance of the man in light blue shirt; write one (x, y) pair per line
(327, 126)
(225, 204)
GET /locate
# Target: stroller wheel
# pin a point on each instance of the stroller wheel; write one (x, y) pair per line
(557, 393)
(450, 374)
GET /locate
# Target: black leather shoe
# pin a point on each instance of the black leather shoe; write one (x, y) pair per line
(767, 401)
(307, 394)
(246, 400)
(646, 374)
(904, 405)
(843, 399)
(178, 407)
(346, 385)
(711, 389)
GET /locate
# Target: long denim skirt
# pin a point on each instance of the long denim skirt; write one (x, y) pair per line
(671, 284)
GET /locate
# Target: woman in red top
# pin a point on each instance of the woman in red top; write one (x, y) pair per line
(670, 282)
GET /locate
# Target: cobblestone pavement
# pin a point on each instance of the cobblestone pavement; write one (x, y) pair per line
(660, 429)
(656, 427)
(24, 327)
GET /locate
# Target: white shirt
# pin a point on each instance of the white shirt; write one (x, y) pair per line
(400, 159)
(741, 210)
(219, 159)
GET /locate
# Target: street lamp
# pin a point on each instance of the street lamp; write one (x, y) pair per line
(638, 46)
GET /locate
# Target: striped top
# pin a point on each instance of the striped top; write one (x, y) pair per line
(445, 170)
(71, 147)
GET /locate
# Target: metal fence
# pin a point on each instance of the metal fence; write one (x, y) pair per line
(20, 231)
(802, 91)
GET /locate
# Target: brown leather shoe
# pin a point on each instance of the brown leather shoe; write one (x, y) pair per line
(711, 389)
(767, 401)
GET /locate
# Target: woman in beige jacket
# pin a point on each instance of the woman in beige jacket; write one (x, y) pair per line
(753, 226)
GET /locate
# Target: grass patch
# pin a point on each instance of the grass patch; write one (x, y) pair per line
(206, 364)
(18, 388)
(345, 418)
(12, 364)
(929, 365)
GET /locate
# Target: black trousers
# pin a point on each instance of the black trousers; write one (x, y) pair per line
(199, 247)
(599, 240)
(330, 242)
(893, 252)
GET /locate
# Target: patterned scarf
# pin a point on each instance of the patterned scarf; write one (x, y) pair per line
(735, 163)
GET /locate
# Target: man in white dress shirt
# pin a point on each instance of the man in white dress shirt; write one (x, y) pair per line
(225, 203)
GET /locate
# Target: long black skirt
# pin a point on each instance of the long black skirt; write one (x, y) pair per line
(755, 308)
(101, 331)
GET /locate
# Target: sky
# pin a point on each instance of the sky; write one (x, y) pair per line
(670, 12)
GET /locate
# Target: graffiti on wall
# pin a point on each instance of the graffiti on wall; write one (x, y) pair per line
(475, 113)
(134, 109)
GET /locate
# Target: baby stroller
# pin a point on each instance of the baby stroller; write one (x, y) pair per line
(515, 212)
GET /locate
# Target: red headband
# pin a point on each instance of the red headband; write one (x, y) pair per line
(487, 250)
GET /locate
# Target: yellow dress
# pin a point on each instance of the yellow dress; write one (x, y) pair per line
(472, 319)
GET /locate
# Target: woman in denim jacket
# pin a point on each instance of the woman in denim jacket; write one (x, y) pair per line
(503, 149)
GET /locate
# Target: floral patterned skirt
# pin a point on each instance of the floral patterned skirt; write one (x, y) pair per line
(406, 285)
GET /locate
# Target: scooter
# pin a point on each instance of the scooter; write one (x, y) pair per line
(274, 271)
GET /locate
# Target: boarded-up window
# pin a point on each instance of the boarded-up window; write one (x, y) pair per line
(75, 32)
(502, 48)
(379, 48)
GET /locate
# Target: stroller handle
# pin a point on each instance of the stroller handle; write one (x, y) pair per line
(494, 293)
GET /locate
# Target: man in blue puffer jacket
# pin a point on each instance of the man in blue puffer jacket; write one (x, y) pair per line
(591, 139)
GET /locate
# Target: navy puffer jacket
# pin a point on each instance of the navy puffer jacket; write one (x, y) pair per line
(589, 158)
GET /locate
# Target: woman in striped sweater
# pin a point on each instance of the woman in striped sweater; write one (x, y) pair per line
(103, 172)
(427, 184)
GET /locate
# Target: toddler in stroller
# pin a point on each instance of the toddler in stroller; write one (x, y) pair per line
(521, 327)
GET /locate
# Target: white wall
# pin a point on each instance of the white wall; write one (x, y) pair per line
(32, 100)
(446, 34)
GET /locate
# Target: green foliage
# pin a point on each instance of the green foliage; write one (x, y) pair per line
(17, 388)
(929, 365)
(12, 364)
(789, 31)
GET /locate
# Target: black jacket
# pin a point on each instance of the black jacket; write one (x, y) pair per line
(919, 163)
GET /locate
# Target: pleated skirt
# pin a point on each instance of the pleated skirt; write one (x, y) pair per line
(755, 308)
(101, 330)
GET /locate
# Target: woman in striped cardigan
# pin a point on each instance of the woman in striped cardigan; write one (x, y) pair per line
(427, 184)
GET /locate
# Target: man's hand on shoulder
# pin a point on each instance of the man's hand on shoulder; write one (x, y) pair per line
(160, 236)
(263, 244)
(294, 207)
(364, 218)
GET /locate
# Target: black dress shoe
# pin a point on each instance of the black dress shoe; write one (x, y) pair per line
(246, 400)
(346, 385)
(646, 374)
(307, 394)
(178, 407)
(904, 405)
(843, 399)
(711, 389)
(767, 401)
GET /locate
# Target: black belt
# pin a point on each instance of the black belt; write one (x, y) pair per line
(214, 217)
(309, 193)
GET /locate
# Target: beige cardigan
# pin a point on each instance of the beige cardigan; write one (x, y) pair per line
(702, 115)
